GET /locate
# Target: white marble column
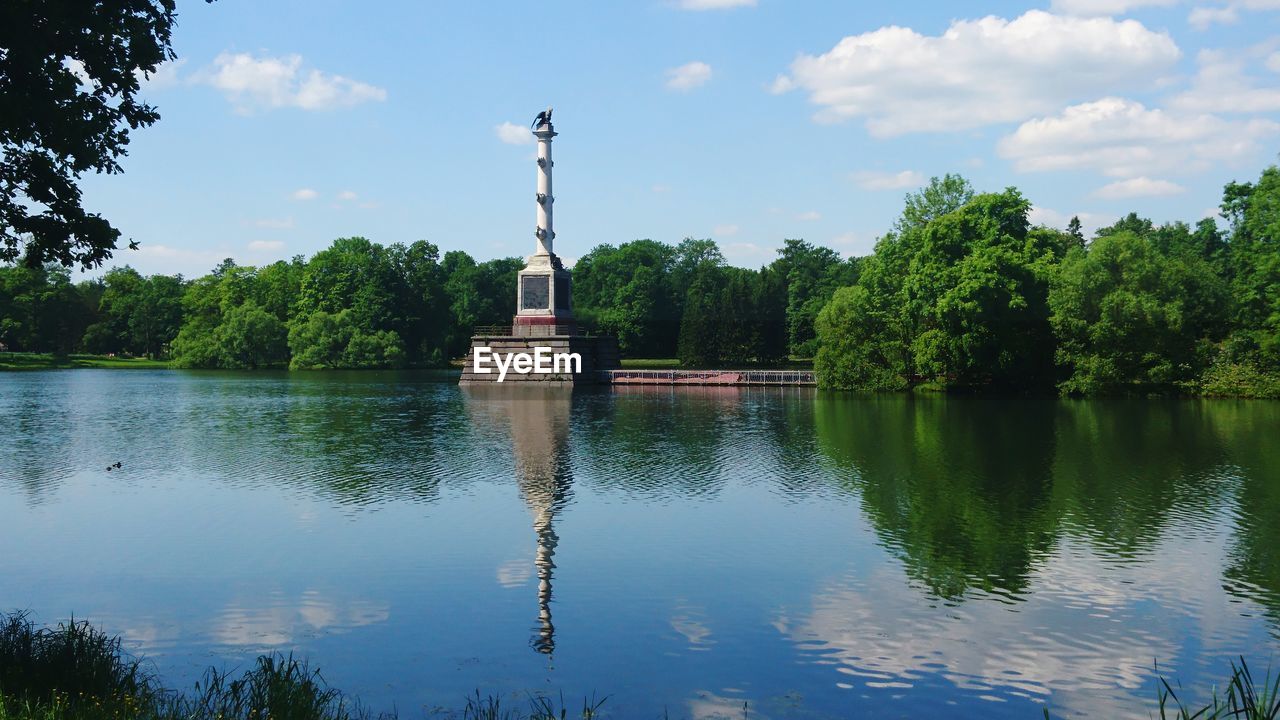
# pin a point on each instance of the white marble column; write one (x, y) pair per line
(545, 232)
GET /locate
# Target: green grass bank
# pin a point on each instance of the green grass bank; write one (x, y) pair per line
(49, 361)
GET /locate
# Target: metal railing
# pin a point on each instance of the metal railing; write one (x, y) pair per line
(509, 330)
(711, 377)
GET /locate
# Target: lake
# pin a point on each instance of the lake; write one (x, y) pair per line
(806, 554)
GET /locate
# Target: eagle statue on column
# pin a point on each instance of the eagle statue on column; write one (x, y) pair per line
(543, 118)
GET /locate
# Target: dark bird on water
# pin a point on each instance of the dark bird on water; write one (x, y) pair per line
(543, 118)
(117, 464)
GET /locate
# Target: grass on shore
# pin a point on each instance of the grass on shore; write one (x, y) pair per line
(50, 361)
(77, 672)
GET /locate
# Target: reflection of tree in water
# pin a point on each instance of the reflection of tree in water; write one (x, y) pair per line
(538, 419)
(971, 492)
(358, 439)
(958, 487)
(1249, 430)
(660, 441)
(1126, 467)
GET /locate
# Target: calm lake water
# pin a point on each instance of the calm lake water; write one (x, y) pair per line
(809, 554)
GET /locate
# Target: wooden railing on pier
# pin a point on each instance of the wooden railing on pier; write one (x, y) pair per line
(710, 377)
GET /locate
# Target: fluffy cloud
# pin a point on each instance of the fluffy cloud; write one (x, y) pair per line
(1105, 7)
(305, 194)
(714, 4)
(688, 76)
(252, 83)
(347, 196)
(1122, 138)
(809, 215)
(1138, 187)
(1089, 222)
(1202, 17)
(978, 72)
(1221, 85)
(725, 230)
(869, 180)
(512, 134)
(166, 75)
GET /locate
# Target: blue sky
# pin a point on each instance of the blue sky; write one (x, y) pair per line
(288, 124)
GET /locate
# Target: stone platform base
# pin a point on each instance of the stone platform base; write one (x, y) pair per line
(599, 354)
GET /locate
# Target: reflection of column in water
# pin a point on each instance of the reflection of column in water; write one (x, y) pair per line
(545, 641)
(538, 417)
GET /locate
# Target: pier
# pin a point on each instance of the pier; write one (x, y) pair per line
(710, 377)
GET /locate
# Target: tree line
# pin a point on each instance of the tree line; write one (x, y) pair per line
(358, 304)
(965, 293)
(962, 293)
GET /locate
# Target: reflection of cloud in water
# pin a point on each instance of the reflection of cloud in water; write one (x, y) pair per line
(694, 630)
(1085, 634)
(283, 621)
(515, 573)
(707, 705)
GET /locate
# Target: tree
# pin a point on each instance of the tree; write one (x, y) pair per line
(1254, 268)
(1127, 315)
(939, 197)
(1075, 231)
(69, 80)
(813, 273)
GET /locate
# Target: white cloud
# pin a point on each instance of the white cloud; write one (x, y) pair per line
(1104, 7)
(746, 254)
(1273, 62)
(725, 230)
(1089, 222)
(871, 180)
(660, 188)
(1221, 85)
(1122, 138)
(513, 134)
(1202, 17)
(274, 223)
(347, 196)
(714, 4)
(809, 215)
(1138, 187)
(166, 75)
(305, 194)
(978, 72)
(688, 76)
(265, 245)
(252, 83)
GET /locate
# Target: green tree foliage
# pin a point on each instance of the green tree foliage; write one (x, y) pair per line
(136, 315)
(1126, 313)
(627, 291)
(960, 300)
(74, 71)
(40, 310)
(1254, 212)
(812, 275)
(326, 340)
(477, 294)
